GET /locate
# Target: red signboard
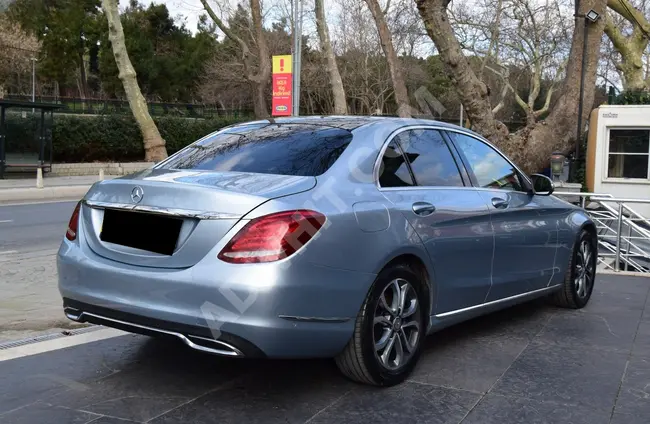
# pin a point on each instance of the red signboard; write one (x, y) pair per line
(281, 105)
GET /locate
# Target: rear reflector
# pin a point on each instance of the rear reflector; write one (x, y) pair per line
(272, 237)
(73, 225)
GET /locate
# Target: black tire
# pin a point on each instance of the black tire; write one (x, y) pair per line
(569, 296)
(360, 361)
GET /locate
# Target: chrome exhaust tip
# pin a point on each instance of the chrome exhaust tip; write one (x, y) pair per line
(73, 314)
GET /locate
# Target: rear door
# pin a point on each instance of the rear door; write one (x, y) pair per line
(525, 230)
(420, 175)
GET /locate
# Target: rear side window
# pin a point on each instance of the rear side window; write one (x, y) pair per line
(394, 171)
(283, 149)
(430, 158)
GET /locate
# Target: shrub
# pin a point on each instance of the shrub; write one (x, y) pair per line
(110, 138)
(632, 98)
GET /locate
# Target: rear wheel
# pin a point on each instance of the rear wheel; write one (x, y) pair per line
(389, 330)
(581, 273)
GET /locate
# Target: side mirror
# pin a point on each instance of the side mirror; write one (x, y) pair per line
(542, 185)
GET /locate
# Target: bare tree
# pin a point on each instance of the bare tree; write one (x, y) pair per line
(258, 78)
(399, 86)
(154, 145)
(631, 47)
(531, 146)
(340, 103)
(525, 36)
(18, 49)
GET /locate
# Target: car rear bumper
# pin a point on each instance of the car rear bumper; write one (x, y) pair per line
(248, 312)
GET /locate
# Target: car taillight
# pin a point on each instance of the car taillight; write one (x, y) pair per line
(272, 237)
(73, 225)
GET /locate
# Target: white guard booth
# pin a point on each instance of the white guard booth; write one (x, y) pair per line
(618, 153)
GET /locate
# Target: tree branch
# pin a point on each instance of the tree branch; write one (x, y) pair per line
(224, 28)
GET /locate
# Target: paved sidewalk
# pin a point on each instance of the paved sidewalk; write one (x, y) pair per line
(86, 180)
(16, 190)
(30, 301)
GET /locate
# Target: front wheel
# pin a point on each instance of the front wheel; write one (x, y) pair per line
(389, 330)
(581, 274)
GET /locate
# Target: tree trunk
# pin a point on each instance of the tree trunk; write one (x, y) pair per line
(531, 146)
(264, 72)
(631, 47)
(154, 145)
(395, 68)
(340, 103)
(83, 79)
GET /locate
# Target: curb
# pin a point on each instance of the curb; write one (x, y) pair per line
(13, 195)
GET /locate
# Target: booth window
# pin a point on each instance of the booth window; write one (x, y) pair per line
(629, 153)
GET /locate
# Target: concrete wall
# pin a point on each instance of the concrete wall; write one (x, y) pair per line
(76, 169)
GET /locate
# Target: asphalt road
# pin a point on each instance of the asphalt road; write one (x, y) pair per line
(33, 227)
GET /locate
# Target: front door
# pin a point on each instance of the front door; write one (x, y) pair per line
(525, 230)
(420, 175)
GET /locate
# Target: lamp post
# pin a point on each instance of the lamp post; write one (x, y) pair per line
(297, 54)
(591, 16)
(33, 59)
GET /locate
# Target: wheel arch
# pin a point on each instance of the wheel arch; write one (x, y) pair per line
(420, 267)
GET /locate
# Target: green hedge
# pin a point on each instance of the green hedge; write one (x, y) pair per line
(106, 137)
(632, 98)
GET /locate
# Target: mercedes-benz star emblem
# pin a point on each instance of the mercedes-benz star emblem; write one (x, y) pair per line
(137, 194)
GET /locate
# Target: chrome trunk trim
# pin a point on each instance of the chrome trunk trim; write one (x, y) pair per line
(177, 212)
(228, 350)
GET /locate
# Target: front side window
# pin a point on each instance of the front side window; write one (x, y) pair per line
(489, 167)
(283, 149)
(629, 152)
(430, 158)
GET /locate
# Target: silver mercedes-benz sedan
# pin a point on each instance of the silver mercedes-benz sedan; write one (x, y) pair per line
(343, 237)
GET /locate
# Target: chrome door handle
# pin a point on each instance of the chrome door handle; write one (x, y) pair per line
(423, 208)
(500, 203)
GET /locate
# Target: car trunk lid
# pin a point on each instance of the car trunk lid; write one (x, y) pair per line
(170, 218)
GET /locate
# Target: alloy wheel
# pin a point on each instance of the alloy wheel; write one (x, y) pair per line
(396, 325)
(584, 269)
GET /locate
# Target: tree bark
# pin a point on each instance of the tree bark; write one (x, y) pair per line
(264, 71)
(531, 146)
(631, 47)
(258, 81)
(340, 103)
(395, 68)
(154, 145)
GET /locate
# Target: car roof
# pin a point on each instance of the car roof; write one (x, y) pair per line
(354, 122)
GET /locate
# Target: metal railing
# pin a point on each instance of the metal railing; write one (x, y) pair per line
(623, 233)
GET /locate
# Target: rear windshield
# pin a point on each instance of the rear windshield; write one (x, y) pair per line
(283, 149)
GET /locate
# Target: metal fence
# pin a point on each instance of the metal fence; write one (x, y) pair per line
(623, 233)
(113, 106)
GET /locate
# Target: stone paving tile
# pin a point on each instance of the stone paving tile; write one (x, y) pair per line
(613, 331)
(281, 392)
(44, 413)
(39, 377)
(571, 375)
(619, 418)
(634, 396)
(405, 403)
(166, 375)
(642, 340)
(495, 409)
(473, 365)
